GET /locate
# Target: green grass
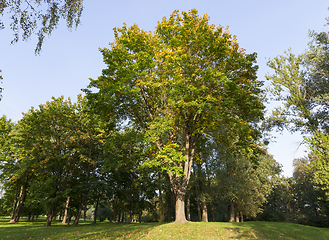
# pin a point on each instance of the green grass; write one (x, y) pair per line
(191, 230)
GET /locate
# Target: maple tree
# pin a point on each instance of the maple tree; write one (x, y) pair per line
(176, 84)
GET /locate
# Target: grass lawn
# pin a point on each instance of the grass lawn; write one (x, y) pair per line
(191, 230)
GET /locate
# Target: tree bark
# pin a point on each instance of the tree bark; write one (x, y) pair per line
(180, 210)
(212, 212)
(204, 210)
(95, 213)
(237, 217)
(188, 206)
(50, 215)
(231, 217)
(85, 210)
(198, 202)
(66, 210)
(77, 217)
(132, 208)
(18, 204)
(161, 207)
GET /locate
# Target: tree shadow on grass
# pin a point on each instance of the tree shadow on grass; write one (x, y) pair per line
(121, 231)
(288, 231)
(104, 230)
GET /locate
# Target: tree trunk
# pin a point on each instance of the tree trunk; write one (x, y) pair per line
(241, 216)
(188, 206)
(204, 210)
(132, 208)
(198, 201)
(95, 213)
(50, 216)
(237, 219)
(18, 204)
(77, 217)
(180, 210)
(169, 210)
(66, 210)
(237, 213)
(119, 217)
(231, 217)
(212, 212)
(161, 207)
(85, 210)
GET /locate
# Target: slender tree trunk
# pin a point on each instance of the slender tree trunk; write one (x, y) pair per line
(241, 216)
(85, 210)
(169, 206)
(204, 210)
(66, 210)
(188, 206)
(161, 207)
(119, 217)
(132, 208)
(18, 204)
(212, 212)
(95, 213)
(231, 217)
(77, 217)
(198, 201)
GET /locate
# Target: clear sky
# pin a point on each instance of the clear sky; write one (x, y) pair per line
(69, 58)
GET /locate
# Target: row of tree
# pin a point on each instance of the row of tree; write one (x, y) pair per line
(61, 159)
(172, 131)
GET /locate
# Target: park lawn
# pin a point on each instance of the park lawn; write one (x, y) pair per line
(191, 230)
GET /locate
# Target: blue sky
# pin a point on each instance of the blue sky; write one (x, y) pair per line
(69, 58)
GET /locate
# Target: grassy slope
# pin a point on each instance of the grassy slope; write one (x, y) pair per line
(192, 230)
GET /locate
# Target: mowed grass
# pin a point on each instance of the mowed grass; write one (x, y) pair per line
(191, 230)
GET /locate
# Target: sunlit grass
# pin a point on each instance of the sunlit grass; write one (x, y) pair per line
(191, 230)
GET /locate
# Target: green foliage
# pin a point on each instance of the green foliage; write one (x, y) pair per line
(301, 82)
(178, 83)
(39, 17)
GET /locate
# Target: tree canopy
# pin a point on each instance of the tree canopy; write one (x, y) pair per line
(301, 83)
(182, 81)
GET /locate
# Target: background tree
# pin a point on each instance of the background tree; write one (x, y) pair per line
(177, 83)
(301, 83)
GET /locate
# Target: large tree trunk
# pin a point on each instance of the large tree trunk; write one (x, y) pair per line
(66, 210)
(180, 210)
